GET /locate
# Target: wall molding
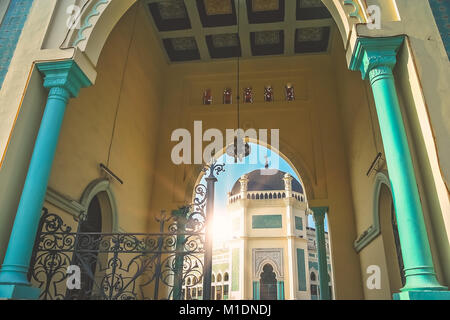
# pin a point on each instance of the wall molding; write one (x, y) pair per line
(79, 208)
(65, 203)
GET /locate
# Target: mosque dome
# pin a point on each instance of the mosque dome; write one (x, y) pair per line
(266, 180)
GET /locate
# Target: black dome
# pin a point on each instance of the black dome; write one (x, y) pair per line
(264, 182)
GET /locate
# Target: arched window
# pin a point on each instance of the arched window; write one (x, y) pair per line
(268, 284)
(213, 278)
(313, 276)
(226, 277)
(207, 97)
(219, 278)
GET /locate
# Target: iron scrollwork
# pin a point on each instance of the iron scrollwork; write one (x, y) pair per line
(122, 266)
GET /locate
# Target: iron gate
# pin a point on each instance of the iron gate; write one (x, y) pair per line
(122, 266)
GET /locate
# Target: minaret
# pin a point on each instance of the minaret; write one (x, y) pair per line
(244, 186)
(288, 185)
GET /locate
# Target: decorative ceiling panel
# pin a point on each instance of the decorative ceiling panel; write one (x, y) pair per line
(310, 40)
(183, 44)
(217, 7)
(267, 38)
(225, 40)
(309, 34)
(215, 13)
(224, 45)
(192, 30)
(181, 49)
(170, 15)
(172, 10)
(266, 5)
(265, 43)
(265, 11)
(312, 9)
(310, 3)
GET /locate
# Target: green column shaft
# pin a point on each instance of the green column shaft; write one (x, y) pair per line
(256, 290)
(64, 79)
(376, 58)
(419, 269)
(319, 220)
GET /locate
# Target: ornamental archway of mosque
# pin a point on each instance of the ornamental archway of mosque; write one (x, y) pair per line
(162, 67)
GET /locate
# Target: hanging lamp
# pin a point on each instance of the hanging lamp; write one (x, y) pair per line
(239, 149)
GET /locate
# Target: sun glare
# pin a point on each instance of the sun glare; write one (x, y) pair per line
(221, 227)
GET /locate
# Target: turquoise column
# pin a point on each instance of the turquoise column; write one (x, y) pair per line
(375, 58)
(319, 220)
(256, 290)
(280, 290)
(64, 79)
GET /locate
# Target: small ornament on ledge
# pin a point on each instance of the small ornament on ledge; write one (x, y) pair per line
(268, 94)
(227, 96)
(290, 94)
(207, 97)
(248, 95)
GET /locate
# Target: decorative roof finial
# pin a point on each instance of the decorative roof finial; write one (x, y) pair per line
(267, 161)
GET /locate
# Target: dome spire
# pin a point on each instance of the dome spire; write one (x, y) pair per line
(267, 162)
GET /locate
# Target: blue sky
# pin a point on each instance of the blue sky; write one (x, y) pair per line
(233, 171)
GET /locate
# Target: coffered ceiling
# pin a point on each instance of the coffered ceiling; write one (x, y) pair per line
(205, 30)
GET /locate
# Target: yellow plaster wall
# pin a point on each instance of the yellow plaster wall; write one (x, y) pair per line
(89, 123)
(363, 142)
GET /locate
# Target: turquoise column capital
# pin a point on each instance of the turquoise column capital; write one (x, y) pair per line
(64, 79)
(66, 75)
(374, 57)
(319, 215)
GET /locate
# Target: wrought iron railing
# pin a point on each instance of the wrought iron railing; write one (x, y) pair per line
(121, 266)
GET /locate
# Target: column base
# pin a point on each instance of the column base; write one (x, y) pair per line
(422, 295)
(18, 292)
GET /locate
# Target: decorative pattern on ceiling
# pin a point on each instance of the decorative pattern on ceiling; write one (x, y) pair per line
(204, 30)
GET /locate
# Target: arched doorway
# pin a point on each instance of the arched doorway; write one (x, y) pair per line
(391, 241)
(268, 283)
(86, 254)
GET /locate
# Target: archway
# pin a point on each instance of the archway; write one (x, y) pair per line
(268, 284)
(391, 242)
(323, 195)
(86, 253)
